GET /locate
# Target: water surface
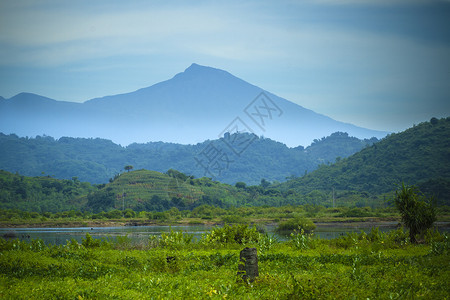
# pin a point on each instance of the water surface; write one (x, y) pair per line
(137, 234)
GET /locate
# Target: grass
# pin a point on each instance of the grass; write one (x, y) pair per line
(175, 266)
(207, 214)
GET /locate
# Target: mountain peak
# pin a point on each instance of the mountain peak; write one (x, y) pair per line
(194, 66)
(196, 69)
(29, 97)
(194, 105)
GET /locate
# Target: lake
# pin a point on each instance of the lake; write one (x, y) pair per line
(59, 236)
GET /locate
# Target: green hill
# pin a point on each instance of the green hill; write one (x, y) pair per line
(419, 156)
(144, 190)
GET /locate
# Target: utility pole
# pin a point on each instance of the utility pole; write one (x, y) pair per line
(123, 203)
(333, 198)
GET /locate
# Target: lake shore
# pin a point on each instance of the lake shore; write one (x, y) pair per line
(322, 222)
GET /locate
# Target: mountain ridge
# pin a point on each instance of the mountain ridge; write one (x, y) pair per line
(195, 105)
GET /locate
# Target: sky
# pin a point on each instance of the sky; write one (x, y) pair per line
(379, 64)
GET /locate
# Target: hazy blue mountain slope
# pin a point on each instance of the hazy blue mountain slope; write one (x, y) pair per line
(198, 104)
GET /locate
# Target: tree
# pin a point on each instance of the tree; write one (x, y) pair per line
(417, 211)
(434, 121)
(128, 168)
(240, 185)
(264, 183)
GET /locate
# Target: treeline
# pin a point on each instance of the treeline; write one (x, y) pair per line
(209, 212)
(98, 160)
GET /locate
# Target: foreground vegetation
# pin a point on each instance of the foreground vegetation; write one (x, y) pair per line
(175, 266)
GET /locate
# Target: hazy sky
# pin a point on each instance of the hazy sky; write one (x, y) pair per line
(380, 64)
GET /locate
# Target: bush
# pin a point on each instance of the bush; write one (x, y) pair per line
(175, 238)
(89, 242)
(302, 240)
(162, 216)
(417, 212)
(232, 219)
(286, 227)
(240, 234)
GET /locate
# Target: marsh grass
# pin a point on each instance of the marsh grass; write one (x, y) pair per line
(175, 266)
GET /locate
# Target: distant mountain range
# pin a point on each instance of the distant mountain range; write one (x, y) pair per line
(198, 104)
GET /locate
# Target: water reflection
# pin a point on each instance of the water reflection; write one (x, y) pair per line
(138, 234)
(60, 236)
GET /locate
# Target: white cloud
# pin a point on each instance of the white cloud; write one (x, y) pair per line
(281, 47)
(41, 36)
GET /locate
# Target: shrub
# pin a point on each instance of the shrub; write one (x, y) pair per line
(175, 238)
(266, 242)
(232, 219)
(302, 240)
(298, 223)
(417, 212)
(240, 234)
(89, 242)
(440, 247)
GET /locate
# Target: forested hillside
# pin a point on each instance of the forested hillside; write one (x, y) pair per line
(98, 160)
(41, 193)
(419, 156)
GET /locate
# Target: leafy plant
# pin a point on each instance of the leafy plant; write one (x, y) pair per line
(175, 239)
(240, 234)
(301, 240)
(286, 227)
(417, 212)
(90, 242)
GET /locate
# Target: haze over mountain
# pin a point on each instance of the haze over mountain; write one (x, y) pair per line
(198, 104)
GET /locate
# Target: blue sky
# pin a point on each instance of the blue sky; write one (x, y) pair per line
(380, 64)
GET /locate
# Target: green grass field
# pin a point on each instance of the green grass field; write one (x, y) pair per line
(175, 266)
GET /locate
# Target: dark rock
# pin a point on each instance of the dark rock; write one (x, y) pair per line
(248, 265)
(10, 234)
